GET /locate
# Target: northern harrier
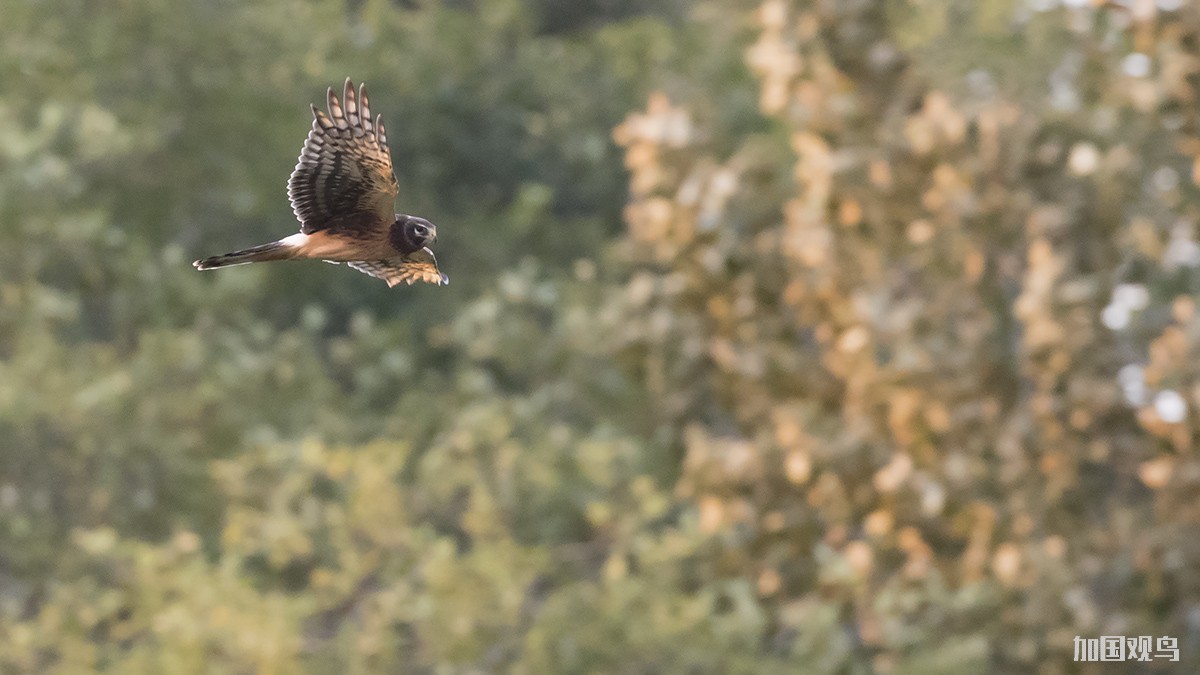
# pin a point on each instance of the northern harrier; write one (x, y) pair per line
(343, 193)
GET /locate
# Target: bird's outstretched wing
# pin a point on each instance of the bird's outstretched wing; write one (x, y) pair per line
(416, 266)
(344, 179)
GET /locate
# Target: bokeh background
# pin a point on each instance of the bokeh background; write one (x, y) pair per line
(830, 336)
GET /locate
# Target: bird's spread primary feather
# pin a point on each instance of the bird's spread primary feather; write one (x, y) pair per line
(344, 176)
(410, 268)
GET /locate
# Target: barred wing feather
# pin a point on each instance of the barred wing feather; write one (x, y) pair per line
(344, 177)
(417, 266)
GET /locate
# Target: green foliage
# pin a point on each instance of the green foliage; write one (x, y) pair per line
(861, 349)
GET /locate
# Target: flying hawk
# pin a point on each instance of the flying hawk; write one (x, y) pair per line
(343, 192)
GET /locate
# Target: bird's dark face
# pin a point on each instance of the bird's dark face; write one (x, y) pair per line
(410, 233)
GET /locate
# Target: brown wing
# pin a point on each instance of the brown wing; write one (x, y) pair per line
(416, 266)
(344, 178)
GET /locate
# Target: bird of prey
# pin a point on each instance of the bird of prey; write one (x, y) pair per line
(343, 192)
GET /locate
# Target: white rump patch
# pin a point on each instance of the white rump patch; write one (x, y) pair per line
(297, 240)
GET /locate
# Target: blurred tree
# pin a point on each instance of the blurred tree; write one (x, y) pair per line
(917, 424)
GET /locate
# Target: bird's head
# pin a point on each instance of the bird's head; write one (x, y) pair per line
(410, 233)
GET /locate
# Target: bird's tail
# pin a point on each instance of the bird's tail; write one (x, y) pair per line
(276, 250)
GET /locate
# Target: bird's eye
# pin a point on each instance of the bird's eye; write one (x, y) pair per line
(421, 230)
